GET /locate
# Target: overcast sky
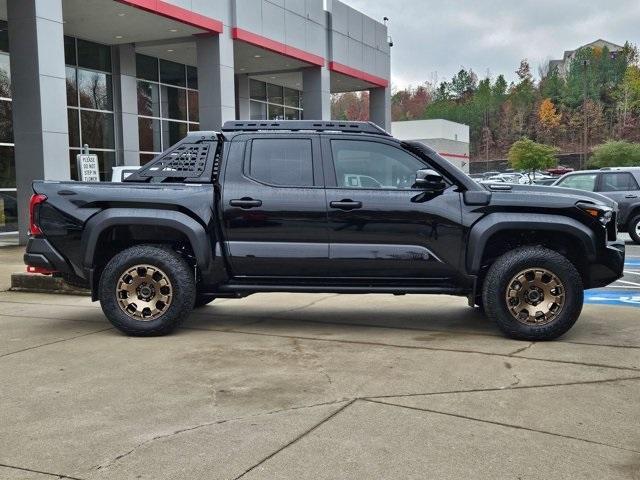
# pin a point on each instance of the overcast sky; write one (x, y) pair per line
(436, 37)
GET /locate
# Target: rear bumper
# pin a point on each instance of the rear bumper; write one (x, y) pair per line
(41, 255)
(608, 266)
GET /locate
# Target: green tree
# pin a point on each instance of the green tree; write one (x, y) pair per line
(616, 154)
(529, 156)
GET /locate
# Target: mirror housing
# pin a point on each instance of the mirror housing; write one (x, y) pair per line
(477, 197)
(430, 180)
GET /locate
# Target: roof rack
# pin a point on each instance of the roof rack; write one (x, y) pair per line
(297, 125)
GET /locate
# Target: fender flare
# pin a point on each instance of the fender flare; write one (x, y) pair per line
(494, 223)
(194, 231)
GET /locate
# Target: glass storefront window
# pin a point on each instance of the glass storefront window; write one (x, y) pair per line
(291, 97)
(148, 99)
(258, 90)
(4, 36)
(7, 167)
(8, 211)
(70, 51)
(173, 73)
(94, 55)
(149, 134)
(172, 132)
(174, 103)
(276, 112)
(95, 90)
(147, 68)
(275, 94)
(72, 87)
(192, 77)
(6, 122)
(274, 102)
(194, 112)
(167, 104)
(258, 110)
(97, 129)
(90, 103)
(74, 127)
(5, 76)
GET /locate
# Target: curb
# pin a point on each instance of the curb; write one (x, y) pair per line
(36, 283)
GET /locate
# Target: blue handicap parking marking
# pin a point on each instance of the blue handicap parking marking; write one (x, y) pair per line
(629, 298)
(632, 263)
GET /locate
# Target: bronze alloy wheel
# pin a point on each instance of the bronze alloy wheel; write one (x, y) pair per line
(535, 296)
(144, 292)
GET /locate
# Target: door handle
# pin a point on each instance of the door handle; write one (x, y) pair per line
(346, 204)
(631, 196)
(245, 202)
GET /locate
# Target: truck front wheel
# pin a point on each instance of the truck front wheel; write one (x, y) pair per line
(533, 293)
(147, 290)
(634, 229)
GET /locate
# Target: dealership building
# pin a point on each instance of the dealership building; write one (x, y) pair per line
(129, 78)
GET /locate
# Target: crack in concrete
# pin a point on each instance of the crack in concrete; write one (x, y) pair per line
(208, 424)
(54, 342)
(413, 347)
(508, 425)
(298, 438)
(503, 389)
(31, 470)
(520, 350)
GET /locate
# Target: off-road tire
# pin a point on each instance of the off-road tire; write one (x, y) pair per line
(634, 224)
(179, 274)
(203, 299)
(503, 270)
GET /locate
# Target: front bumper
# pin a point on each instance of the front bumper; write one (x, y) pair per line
(608, 266)
(41, 255)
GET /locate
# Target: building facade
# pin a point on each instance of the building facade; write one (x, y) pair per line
(129, 78)
(563, 64)
(449, 139)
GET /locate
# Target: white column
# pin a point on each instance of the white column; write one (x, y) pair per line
(316, 94)
(216, 81)
(38, 83)
(380, 107)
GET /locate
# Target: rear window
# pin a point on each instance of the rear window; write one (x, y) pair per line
(618, 182)
(282, 162)
(585, 182)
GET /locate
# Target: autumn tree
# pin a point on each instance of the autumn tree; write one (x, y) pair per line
(549, 119)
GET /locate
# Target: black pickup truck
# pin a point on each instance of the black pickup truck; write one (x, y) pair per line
(307, 206)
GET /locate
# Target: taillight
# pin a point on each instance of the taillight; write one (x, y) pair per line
(36, 199)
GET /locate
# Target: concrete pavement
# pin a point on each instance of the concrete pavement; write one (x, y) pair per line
(315, 386)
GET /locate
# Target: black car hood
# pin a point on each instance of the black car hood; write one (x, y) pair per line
(543, 196)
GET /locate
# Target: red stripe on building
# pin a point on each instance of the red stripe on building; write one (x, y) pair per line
(179, 14)
(454, 155)
(359, 74)
(277, 47)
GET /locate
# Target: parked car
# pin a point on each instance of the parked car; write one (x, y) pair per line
(559, 170)
(512, 178)
(268, 207)
(620, 184)
(545, 181)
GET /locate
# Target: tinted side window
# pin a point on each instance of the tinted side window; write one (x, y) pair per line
(286, 162)
(618, 182)
(585, 182)
(361, 164)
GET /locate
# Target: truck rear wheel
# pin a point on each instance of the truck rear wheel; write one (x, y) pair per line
(147, 290)
(533, 293)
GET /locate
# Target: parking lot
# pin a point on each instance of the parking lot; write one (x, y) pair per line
(318, 386)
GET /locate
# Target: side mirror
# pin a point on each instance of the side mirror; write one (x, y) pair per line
(430, 180)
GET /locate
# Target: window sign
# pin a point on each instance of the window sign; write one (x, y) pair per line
(88, 168)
